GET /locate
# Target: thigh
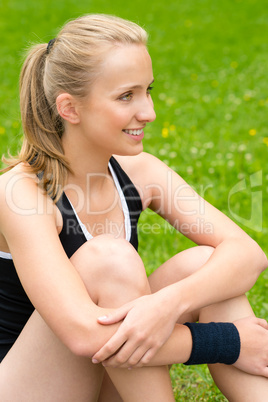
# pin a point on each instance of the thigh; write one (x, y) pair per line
(108, 391)
(40, 368)
(179, 267)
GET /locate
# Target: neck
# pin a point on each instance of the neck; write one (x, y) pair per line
(85, 161)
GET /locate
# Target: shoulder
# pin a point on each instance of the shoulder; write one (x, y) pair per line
(17, 181)
(142, 167)
(148, 173)
(20, 193)
(15, 178)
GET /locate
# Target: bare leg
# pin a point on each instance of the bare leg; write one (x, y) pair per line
(128, 282)
(179, 267)
(40, 368)
(235, 385)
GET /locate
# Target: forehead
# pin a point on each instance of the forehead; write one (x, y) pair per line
(125, 65)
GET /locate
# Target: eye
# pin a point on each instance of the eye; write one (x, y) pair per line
(126, 97)
(149, 89)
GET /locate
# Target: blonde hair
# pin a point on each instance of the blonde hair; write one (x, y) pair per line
(70, 64)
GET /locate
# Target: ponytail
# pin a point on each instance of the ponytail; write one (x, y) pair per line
(42, 126)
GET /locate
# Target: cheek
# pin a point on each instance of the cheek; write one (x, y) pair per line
(123, 117)
(106, 116)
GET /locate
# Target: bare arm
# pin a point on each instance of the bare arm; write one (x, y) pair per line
(253, 358)
(28, 223)
(237, 260)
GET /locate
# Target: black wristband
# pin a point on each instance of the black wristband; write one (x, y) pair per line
(214, 343)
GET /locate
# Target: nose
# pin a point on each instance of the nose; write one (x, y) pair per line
(146, 111)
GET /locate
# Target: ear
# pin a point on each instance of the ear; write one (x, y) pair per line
(67, 107)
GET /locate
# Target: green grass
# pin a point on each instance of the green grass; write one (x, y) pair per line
(211, 97)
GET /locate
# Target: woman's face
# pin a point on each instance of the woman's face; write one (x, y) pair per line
(119, 104)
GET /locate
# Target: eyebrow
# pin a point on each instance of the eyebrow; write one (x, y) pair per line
(133, 87)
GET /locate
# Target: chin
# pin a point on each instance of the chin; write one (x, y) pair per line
(131, 151)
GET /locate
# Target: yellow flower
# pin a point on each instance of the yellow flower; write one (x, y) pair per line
(2, 130)
(194, 77)
(252, 132)
(165, 132)
(265, 140)
(214, 84)
(172, 127)
(234, 64)
(170, 101)
(247, 97)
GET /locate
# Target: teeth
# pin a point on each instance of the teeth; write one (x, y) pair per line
(134, 132)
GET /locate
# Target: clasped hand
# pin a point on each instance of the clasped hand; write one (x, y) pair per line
(147, 323)
(253, 357)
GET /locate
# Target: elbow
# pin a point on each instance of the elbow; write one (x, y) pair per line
(81, 348)
(83, 335)
(82, 342)
(254, 260)
(259, 258)
(264, 263)
(262, 259)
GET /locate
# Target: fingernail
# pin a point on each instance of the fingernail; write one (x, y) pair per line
(103, 318)
(95, 361)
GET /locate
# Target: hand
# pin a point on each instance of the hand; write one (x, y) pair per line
(253, 357)
(147, 323)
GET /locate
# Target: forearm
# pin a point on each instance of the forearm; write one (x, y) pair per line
(200, 343)
(176, 350)
(232, 269)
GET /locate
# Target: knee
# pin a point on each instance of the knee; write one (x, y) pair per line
(201, 254)
(108, 260)
(117, 254)
(205, 253)
(123, 264)
(193, 259)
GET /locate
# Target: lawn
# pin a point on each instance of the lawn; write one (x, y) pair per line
(210, 62)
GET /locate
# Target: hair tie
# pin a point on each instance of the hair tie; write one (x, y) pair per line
(50, 44)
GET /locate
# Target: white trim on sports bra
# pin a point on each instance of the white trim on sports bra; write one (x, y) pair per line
(6, 256)
(125, 209)
(123, 203)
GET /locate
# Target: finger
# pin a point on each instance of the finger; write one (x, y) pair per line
(129, 354)
(263, 323)
(147, 357)
(140, 357)
(116, 315)
(110, 347)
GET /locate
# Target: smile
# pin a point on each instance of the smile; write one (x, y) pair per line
(134, 132)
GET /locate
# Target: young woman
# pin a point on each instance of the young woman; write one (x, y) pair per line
(73, 289)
